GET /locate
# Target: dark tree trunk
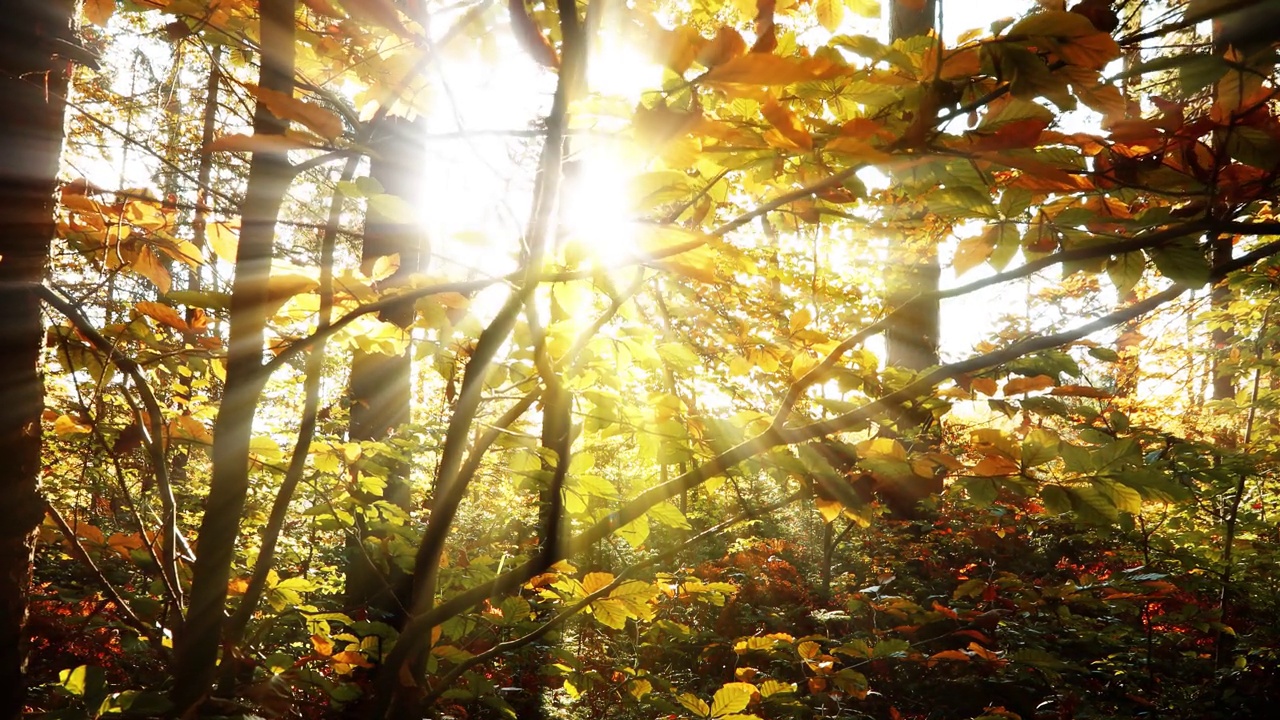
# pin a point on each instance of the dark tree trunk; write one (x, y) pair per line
(33, 84)
(380, 384)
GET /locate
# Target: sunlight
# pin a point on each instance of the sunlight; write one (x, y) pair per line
(599, 217)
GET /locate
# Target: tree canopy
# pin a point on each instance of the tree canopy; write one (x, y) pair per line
(751, 359)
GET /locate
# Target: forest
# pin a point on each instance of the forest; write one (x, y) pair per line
(679, 359)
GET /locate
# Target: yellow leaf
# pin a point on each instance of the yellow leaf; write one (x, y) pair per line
(799, 320)
(809, 650)
(883, 449)
(830, 13)
(858, 148)
(224, 239)
(972, 252)
(802, 364)
(829, 509)
(694, 704)
(66, 426)
(596, 580)
(639, 687)
(148, 266)
(99, 12)
(1022, 385)
(731, 698)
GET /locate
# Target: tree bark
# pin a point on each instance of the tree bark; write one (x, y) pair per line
(196, 650)
(33, 83)
(912, 342)
(380, 386)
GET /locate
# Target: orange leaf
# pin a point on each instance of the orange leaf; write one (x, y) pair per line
(163, 314)
(323, 645)
(765, 69)
(957, 655)
(238, 142)
(351, 657)
(1083, 391)
(995, 466)
(148, 266)
(986, 386)
(788, 125)
(725, 46)
(325, 123)
(1022, 385)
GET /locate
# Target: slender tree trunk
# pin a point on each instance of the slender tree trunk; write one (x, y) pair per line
(912, 342)
(33, 84)
(380, 384)
(196, 652)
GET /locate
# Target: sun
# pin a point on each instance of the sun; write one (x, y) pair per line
(599, 215)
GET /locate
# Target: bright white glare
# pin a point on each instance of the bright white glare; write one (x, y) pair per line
(599, 218)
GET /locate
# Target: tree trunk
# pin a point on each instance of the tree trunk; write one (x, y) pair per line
(196, 651)
(33, 84)
(380, 384)
(912, 341)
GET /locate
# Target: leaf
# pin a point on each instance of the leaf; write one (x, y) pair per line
(949, 655)
(1083, 391)
(768, 69)
(995, 466)
(829, 509)
(1182, 262)
(323, 122)
(163, 314)
(972, 252)
(271, 143)
(830, 13)
(639, 687)
(1125, 271)
(67, 426)
(594, 581)
(731, 698)
(694, 704)
(1017, 386)
(149, 266)
(1039, 447)
(99, 12)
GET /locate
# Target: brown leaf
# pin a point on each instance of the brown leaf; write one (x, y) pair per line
(99, 12)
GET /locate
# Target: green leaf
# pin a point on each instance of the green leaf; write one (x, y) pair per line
(1254, 147)
(1039, 447)
(1091, 505)
(635, 532)
(1125, 271)
(665, 513)
(1055, 499)
(1182, 262)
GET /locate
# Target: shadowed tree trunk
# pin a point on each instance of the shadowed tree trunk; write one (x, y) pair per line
(33, 83)
(380, 384)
